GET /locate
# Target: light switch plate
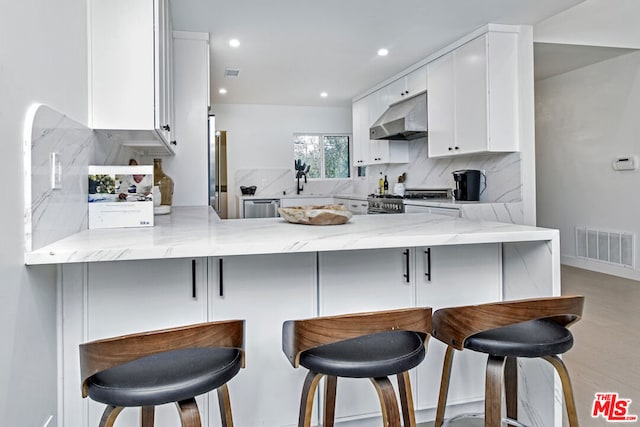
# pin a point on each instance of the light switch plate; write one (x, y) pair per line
(625, 163)
(56, 171)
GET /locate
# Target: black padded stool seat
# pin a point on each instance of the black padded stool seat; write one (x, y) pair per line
(370, 356)
(152, 368)
(165, 377)
(506, 330)
(535, 338)
(371, 345)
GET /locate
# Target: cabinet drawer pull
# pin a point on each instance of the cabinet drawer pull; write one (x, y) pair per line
(167, 128)
(428, 273)
(220, 278)
(406, 254)
(194, 293)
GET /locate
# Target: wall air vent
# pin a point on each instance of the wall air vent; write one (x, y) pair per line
(230, 72)
(612, 247)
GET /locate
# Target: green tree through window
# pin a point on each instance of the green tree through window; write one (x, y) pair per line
(327, 155)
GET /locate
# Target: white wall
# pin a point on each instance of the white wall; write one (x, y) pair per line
(584, 119)
(261, 136)
(43, 46)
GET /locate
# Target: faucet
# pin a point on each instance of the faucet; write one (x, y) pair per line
(301, 172)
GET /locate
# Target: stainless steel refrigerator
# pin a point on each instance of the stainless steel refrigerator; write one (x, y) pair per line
(217, 168)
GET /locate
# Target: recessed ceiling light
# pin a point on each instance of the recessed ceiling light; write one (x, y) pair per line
(383, 52)
(324, 94)
(222, 91)
(234, 42)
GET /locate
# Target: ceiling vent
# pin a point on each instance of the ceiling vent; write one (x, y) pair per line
(230, 72)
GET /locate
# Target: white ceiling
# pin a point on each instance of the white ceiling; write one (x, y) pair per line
(291, 50)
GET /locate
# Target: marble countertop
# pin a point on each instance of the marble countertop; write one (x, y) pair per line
(198, 232)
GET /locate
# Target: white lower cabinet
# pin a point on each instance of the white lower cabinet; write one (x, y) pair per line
(305, 201)
(357, 281)
(134, 296)
(451, 276)
(107, 299)
(265, 290)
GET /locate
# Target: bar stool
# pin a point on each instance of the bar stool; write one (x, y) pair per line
(505, 331)
(157, 367)
(371, 345)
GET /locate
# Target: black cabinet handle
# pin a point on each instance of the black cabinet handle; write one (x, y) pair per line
(167, 128)
(220, 278)
(174, 142)
(428, 273)
(406, 254)
(194, 293)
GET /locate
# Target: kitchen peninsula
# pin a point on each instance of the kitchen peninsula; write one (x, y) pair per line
(192, 267)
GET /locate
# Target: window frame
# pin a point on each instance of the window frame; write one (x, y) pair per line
(322, 135)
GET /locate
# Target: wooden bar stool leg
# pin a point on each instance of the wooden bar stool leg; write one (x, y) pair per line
(330, 386)
(224, 402)
(511, 387)
(109, 415)
(406, 399)
(444, 386)
(493, 391)
(388, 402)
(306, 401)
(189, 414)
(147, 416)
(567, 389)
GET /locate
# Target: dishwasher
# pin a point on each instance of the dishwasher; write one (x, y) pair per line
(261, 208)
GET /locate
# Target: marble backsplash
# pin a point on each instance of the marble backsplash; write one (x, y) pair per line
(273, 182)
(52, 214)
(504, 183)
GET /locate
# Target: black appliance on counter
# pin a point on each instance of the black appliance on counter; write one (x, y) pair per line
(468, 184)
(391, 203)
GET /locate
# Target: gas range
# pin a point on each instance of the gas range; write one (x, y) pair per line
(393, 203)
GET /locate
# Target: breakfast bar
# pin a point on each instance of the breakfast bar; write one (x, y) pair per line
(193, 267)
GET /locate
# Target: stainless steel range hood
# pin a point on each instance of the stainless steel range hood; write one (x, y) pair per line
(403, 120)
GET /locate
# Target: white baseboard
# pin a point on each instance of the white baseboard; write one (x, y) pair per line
(626, 273)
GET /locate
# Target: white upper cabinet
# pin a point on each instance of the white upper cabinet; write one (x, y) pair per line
(405, 87)
(131, 72)
(416, 81)
(365, 151)
(472, 97)
(360, 112)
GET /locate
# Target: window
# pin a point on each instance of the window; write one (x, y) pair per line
(327, 155)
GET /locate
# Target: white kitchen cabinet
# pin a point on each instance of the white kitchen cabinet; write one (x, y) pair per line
(306, 201)
(355, 206)
(450, 276)
(437, 210)
(357, 281)
(404, 87)
(265, 290)
(133, 296)
(392, 93)
(367, 152)
(416, 81)
(131, 72)
(384, 151)
(472, 97)
(360, 144)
